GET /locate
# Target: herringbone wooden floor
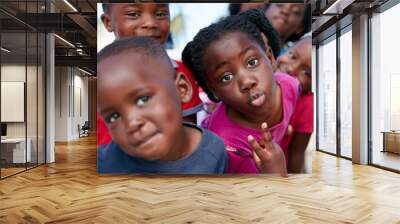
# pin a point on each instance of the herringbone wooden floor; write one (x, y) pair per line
(70, 191)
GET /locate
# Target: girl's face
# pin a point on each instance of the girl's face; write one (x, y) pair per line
(286, 18)
(240, 74)
(297, 62)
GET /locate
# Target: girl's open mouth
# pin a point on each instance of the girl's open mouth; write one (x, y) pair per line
(257, 99)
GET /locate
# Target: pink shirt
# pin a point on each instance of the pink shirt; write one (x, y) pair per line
(302, 120)
(240, 152)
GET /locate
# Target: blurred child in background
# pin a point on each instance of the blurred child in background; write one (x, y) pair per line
(297, 62)
(291, 20)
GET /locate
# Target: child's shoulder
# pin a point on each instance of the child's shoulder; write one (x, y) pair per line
(210, 144)
(286, 79)
(290, 86)
(109, 157)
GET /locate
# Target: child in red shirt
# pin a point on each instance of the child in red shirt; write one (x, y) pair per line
(297, 62)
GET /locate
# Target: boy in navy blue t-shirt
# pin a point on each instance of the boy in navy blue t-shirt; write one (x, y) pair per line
(139, 96)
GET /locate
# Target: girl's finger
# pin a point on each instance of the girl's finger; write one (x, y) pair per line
(257, 160)
(266, 135)
(253, 142)
(262, 153)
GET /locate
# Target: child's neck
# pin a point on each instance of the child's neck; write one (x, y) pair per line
(255, 122)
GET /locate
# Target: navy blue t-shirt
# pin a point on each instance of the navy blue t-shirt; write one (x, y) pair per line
(210, 157)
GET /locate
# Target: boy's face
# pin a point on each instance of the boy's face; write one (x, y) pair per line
(286, 18)
(297, 62)
(139, 101)
(239, 73)
(129, 19)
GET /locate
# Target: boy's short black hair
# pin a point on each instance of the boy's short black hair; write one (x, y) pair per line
(306, 22)
(145, 46)
(252, 23)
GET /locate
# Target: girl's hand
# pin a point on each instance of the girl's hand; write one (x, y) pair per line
(267, 154)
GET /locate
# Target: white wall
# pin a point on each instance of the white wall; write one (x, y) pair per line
(71, 93)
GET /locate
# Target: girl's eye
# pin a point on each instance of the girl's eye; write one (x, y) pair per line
(226, 77)
(291, 55)
(252, 63)
(112, 118)
(306, 72)
(296, 12)
(142, 100)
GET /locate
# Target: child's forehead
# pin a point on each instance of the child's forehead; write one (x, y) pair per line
(237, 35)
(140, 64)
(140, 5)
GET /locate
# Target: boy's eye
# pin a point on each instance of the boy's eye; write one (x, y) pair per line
(162, 14)
(112, 118)
(134, 14)
(142, 100)
(252, 63)
(226, 77)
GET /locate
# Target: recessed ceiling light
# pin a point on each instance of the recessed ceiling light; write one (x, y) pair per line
(70, 5)
(5, 50)
(64, 40)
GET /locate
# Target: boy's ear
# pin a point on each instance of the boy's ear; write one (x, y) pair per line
(184, 87)
(270, 53)
(106, 19)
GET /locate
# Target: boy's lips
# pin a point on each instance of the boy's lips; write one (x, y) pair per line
(147, 139)
(257, 99)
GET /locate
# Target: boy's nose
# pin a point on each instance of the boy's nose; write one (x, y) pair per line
(134, 124)
(149, 21)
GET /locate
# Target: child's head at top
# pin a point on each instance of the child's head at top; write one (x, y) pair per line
(232, 63)
(139, 99)
(236, 8)
(130, 19)
(297, 62)
(291, 20)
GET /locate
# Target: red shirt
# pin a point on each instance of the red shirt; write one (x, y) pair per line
(302, 120)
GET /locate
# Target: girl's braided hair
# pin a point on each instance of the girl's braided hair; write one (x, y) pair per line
(252, 23)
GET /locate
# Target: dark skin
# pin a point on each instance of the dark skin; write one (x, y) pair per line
(139, 99)
(296, 150)
(286, 18)
(239, 72)
(130, 19)
(297, 63)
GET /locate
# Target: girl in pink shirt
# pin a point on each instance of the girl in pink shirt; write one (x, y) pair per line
(233, 61)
